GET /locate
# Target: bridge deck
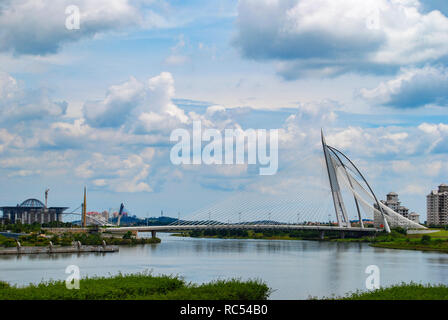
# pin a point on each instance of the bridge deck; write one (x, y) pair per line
(245, 227)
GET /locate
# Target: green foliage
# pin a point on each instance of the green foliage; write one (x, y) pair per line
(21, 228)
(425, 239)
(88, 238)
(58, 224)
(400, 230)
(265, 234)
(138, 286)
(7, 242)
(233, 289)
(128, 235)
(412, 291)
(34, 240)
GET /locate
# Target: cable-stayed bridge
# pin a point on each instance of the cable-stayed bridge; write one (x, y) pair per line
(349, 205)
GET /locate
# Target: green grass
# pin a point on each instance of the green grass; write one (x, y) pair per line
(142, 286)
(440, 234)
(423, 242)
(403, 291)
(414, 245)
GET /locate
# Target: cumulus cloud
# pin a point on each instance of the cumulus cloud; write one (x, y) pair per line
(119, 175)
(23, 163)
(142, 107)
(437, 137)
(8, 139)
(38, 27)
(333, 37)
(412, 88)
(117, 106)
(20, 104)
(133, 120)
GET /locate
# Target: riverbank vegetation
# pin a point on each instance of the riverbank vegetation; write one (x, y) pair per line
(424, 243)
(251, 234)
(142, 286)
(67, 239)
(412, 291)
(35, 227)
(399, 239)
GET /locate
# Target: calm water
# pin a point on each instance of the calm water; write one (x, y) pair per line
(294, 269)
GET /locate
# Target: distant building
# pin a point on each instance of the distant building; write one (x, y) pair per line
(105, 215)
(95, 218)
(437, 206)
(31, 211)
(415, 217)
(392, 202)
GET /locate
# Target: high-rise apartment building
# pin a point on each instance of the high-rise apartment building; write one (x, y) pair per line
(394, 203)
(437, 206)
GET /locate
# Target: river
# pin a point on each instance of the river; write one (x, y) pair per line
(293, 269)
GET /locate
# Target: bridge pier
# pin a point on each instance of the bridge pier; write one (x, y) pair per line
(342, 234)
(153, 234)
(322, 235)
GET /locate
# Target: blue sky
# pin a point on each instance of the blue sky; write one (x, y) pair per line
(96, 106)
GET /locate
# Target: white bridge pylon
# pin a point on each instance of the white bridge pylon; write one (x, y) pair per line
(341, 168)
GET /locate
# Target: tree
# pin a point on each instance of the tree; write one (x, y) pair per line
(128, 235)
(425, 239)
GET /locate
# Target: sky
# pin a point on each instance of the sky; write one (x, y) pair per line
(95, 106)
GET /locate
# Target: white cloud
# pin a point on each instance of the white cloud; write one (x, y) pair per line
(119, 175)
(19, 104)
(8, 139)
(412, 88)
(402, 166)
(24, 173)
(176, 60)
(415, 189)
(118, 104)
(433, 168)
(140, 107)
(332, 37)
(38, 27)
(176, 57)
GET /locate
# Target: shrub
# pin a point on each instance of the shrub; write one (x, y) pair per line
(425, 239)
(128, 235)
(139, 286)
